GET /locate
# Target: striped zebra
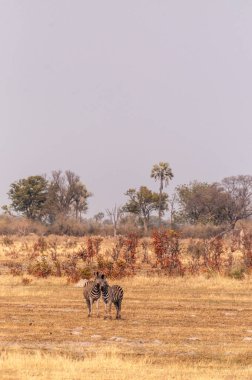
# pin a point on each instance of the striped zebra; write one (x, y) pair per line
(92, 293)
(111, 294)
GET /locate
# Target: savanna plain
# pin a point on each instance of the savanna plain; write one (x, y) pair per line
(172, 327)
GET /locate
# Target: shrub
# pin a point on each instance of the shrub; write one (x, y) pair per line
(205, 255)
(145, 247)
(200, 231)
(117, 249)
(105, 266)
(121, 269)
(167, 250)
(216, 249)
(7, 241)
(247, 250)
(196, 251)
(54, 257)
(40, 245)
(16, 269)
(40, 268)
(130, 244)
(10, 225)
(93, 247)
(70, 268)
(82, 253)
(68, 226)
(70, 243)
(237, 273)
(26, 281)
(13, 254)
(86, 273)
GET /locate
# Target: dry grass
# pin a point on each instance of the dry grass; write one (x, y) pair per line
(111, 366)
(172, 328)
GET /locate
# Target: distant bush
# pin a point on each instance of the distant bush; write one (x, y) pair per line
(247, 249)
(72, 227)
(10, 225)
(67, 226)
(196, 250)
(200, 231)
(129, 225)
(205, 255)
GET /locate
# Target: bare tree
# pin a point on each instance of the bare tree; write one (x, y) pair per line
(239, 189)
(66, 195)
(115, 215)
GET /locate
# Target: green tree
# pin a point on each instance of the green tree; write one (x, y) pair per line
(203, 203)
(28, 196)
(143, 202)
(163, 173)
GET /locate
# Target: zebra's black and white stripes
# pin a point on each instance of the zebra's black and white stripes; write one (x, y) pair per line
(111, 294)
(93, 290)
(92, 293)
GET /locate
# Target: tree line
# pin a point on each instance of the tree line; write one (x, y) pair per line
(42, 199)
(63, 194)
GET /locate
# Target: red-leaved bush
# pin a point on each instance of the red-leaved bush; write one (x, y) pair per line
(167, 251)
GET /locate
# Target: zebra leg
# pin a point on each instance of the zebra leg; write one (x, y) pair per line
(118, 309)
(106, 311)
(97, 308)
(89, 307)
(110, 305)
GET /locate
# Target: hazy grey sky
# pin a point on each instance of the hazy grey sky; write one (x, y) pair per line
(108, 88)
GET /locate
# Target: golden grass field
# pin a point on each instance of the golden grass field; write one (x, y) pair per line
(171, 328)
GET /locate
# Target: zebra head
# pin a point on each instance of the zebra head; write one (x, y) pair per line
(98, 279)
(103, 282)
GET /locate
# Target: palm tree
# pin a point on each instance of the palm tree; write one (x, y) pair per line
(161, 172)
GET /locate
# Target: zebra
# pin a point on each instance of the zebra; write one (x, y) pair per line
(111, 294)
(92, 293)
